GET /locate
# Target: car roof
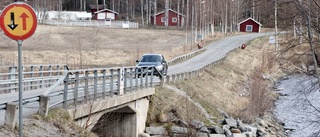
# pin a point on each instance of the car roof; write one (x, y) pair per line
(152, 54)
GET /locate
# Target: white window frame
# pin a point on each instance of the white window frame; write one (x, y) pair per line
(162, 19)
(174, 19)
(247, 28)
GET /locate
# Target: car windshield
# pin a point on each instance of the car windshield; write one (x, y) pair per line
(151, 58)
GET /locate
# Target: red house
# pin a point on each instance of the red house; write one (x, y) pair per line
(249, 25)
(106, 14)
(103, 13)
(172, 18)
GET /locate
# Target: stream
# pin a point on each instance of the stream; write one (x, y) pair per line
(298, 106)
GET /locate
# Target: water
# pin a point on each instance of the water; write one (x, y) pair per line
(299, 106)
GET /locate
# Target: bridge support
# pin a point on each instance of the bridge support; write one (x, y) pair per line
(120, 116)
(162, 81)
(11, 115)
(44, 105)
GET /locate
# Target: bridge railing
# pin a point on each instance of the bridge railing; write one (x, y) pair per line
(90, 84)
(34, 77)
(81, 86)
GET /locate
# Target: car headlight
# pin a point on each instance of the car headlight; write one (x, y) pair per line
(159, 67)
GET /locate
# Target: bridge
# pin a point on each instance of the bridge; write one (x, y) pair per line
(92, 96)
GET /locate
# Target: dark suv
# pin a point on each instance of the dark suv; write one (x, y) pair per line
(148, 60)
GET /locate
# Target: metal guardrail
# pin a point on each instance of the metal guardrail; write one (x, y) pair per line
(173, 78)
(76, 86)
(34, 77)
(185, 57)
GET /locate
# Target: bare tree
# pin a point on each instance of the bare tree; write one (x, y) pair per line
(141, 8)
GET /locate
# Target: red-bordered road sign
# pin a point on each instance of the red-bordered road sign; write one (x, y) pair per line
(18, 21)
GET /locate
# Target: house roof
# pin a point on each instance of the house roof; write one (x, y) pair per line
(106, 10)
(169, 10)
(249, 19)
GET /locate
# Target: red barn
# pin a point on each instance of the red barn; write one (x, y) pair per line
(249, 25)
(172, 18)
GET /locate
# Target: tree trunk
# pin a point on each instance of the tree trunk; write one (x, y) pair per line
(97, 6)
(187, 20)
(276, 24)
(112, 3)
(178, 16)
(313, 51)
(212, 18)
(81, 5)
(226, 19)
(84, 5)
(183, 13)
(155, 12)
(119, 5)
(127, 10)
(196, 22)
(147, 12)
(166, 13)
(133, 9)
(141, 8)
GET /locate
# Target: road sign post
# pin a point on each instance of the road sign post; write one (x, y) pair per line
(20, 87)
(18, 21)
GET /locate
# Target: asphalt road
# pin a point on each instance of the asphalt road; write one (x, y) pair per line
(214, 52)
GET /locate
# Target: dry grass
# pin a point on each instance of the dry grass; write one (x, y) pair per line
(173, 106)
(93, 46)
(58, 123)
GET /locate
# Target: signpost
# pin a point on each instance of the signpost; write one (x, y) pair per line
(272, 40)
(18, 21)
